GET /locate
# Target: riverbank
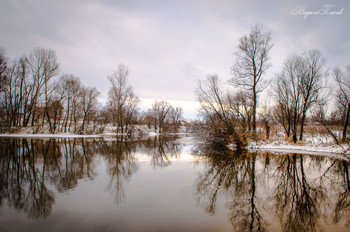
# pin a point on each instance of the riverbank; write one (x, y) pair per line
(304, 148)
(137, 131)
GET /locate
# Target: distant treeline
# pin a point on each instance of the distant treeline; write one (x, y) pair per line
(34, 94)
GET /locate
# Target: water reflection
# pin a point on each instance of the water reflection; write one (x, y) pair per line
(342, 183)
(33, 170)
(29, 169)
(121, 163)
(298, 197)
(161, 149)
(302, 193)
(259, 191)
(235, 175)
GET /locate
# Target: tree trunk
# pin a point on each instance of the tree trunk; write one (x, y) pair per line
(254, 110)
(346, 123)
(302, 126)
(295, 129)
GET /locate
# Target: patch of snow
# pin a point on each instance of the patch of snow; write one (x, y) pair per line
(49, 136)
(153, 134)
(307, 148)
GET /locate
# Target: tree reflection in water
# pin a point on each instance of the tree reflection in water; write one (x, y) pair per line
(32, 170)
(161, 149)
(298, 200)
(121, 163)
(292, 192)
(120, 155)
(297, 189)
(341, 182)
(233, 174)
(29, 168)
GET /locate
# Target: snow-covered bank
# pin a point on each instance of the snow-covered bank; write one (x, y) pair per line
(49, 136)
(306, 148)
(315, 142)
(66, 135)
(137, 131)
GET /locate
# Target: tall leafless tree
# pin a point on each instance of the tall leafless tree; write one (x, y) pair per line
(160, 110)
(56, 109)
(89, 106)
(252, 60)
(3, 84)
(175, 115)
(3, 70)
(121, 97)
(43, 66)
(71, 85)
(298, 88)
(312, 84)
(17, 91)
(131, 109)
(288, 94)
(343, 96)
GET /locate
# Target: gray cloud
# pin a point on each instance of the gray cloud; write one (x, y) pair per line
(167, 45)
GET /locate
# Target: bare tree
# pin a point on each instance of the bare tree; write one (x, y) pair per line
(175, 115)
(319, 115)
(26, 87)
(252, 58)
(131, 109)
(56, 109)
(343, 96)
(211, 98)
(88, 103)
(11, 99)
(312, 83)
(16, 93)
(288, 94)
(122, 100)
(160, 110)
(242, 104)
(3, 84)
(43, 66)
(29, 96)
(3, 70)
(267, 119)
(148, 118)
(298, 88)
(216, 109)
(71, 87)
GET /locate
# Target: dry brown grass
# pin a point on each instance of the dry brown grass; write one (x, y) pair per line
(277, 132)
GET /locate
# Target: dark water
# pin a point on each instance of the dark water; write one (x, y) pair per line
(166, 184)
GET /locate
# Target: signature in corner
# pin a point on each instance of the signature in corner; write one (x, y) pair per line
(325, 10)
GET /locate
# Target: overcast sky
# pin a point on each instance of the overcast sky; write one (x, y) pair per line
(168, 45)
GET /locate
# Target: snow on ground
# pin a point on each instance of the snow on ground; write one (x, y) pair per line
(301, 148)
(137, 130)
(48, 136)
(153, 134)
(315, 144)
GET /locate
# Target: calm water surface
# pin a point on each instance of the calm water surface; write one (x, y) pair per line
(166, 184)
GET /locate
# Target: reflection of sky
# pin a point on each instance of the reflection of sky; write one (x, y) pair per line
(155, 200)
(168, 45)
(185, 156)
(171, 198)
